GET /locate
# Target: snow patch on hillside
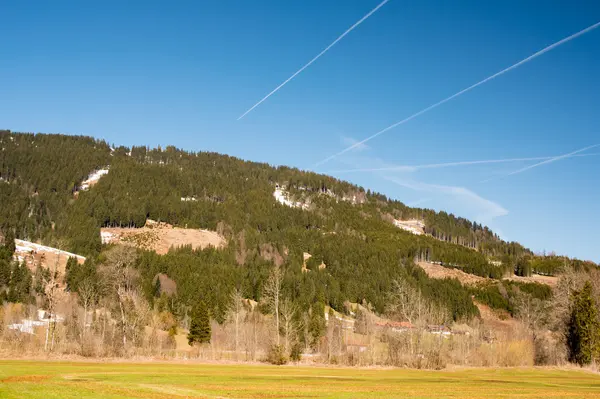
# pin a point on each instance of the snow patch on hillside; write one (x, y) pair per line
(282, 196)
(26, 247)
(413, 226)
(355, 199)
(93, 178)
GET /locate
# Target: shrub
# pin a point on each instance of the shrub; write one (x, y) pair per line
(296, 352)
(276, 355)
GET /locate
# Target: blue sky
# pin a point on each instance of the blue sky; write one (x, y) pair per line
(144, 72)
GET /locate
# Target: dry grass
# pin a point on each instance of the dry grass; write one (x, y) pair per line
(160, 239)
(496, 320)
(441, 272)
(47, 257)
(89, 380)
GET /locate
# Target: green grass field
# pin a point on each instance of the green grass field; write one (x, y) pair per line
(37, 379)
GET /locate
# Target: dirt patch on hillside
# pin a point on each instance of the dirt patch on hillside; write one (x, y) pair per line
(35, 254)
(441, 272)
(270, 253)
(167, 285)
(497, 321)
(161, 237)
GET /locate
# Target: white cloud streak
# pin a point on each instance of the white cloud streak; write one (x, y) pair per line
(554, 159)
(456, 198)
(360, 21)
(414, 168)
(351, 141)
(510, 68)
(486, 210)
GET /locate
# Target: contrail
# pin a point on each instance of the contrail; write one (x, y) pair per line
(554, 159)
(414, 168)
(523, 61)
(360, 21)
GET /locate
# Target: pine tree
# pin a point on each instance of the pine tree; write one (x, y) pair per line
(583, 334)
(9, 241)
(523, 267)
(317, 324)
(200, 325)
(157, 287)
(19, 288)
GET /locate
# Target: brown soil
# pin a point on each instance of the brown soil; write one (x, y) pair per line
(47, 257)
(496, 321)
(163, 237)
(441, 272)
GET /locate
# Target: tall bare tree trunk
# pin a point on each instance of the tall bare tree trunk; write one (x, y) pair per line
(123, 323)
(237, 327)
(277, 315)
(254, 316)
(272, 292)
(47, 337)
(83, 327)
(103, 327)
(53, 333)
(237, 299)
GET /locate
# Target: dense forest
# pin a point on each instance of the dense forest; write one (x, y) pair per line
(344, 227)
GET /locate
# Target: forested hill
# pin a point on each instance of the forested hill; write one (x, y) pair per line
(350, 229)
(50, 168)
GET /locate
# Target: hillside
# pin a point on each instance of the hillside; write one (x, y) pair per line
(224, 224)
(239, 199)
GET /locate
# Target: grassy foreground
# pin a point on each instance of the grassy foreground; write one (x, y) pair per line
(38, 379)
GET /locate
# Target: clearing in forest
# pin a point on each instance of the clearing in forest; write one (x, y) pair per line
(160, 237)
(440, 272)
(497, 321)
(35, 254)
(162, 380)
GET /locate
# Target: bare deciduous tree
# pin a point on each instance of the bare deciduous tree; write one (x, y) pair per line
(52, 293)
(236, 309)
(290, 327)
(531, 311)
(122, 279)
(405, 302)
(272, 295)
(88, 295)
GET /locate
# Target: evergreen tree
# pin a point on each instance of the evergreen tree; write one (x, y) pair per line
(9, 241)
(583, 334)
(316, 325)
(200, 325)
(19, 288)
(5, 266)
(523, 267)
(236, 197)
(157, 287)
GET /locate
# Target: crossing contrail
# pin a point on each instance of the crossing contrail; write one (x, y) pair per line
(414, 168)
(553, 159)
(510, 68)
(360, 21)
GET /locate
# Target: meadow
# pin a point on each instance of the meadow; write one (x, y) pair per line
(158, 380)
